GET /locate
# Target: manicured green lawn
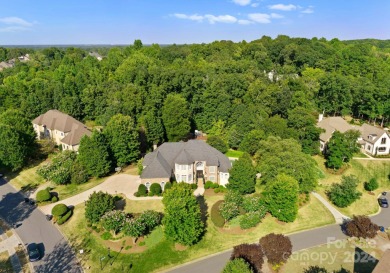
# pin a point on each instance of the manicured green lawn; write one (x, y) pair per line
(333, 256)
(162, 255)
(234, 153)
(364, 170)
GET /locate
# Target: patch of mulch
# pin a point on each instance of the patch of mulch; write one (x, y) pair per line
(210, 192)
(280, 222)
(180, 247)
(371, 193)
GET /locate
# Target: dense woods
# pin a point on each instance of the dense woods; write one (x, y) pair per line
(267, 87)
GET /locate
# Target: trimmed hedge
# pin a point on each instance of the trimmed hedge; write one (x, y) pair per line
(54, 199)
(43, 195)
(65, 217)
(371, 185)
(59, 210)
(142, 190)
(167, 186)
(216, 217)
(155, 189)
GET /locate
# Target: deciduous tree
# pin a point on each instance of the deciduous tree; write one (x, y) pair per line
(277, 248)
(242, 175)
(176, 117)
(97, 205)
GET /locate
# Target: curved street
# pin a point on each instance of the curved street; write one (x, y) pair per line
(32, 227)
(301, 240)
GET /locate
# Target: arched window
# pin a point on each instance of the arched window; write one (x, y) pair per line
(147, 184)
(162, 184)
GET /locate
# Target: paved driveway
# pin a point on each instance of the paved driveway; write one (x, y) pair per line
(119, 183)
(33, 227)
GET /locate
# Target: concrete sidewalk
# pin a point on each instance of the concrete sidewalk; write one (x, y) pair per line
(9, 244)
(338, 216)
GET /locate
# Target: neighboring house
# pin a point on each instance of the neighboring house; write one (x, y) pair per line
(373, 140)
(11, 63)
(192, 162)
(63, 129)
(96, 55)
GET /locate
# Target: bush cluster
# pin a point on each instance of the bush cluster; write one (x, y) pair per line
(220, 189)
(251, 219)
(65, 217)
(59, 210)
(155, 189)
(43, 195)
(210, 185)
(142, 191)
(371, 185)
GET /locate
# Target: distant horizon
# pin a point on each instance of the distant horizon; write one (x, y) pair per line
(91, 22)
(165, 44)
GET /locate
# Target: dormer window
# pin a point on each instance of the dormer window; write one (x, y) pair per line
(372, 136)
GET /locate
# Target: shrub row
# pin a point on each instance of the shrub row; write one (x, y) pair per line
(251, 219)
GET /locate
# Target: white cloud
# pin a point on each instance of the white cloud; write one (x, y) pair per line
(193, 17)
(255, 5)
(15, 21)
(220, 19)
(244, 22)
(308, 10)
(261, 18)
(13, 29)
(283, 7)
(242, 2)
(276, 16)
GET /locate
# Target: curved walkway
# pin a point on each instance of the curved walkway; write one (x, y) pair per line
(120, 183)
(338, 216)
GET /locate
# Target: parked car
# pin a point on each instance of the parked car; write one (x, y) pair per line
(383, 202)
(33, 252)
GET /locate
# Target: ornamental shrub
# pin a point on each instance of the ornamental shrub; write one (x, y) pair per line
(65, 217)
(251, 219)
(151, 219)
(371, 185)
(155, 189)
(43, 195)
(216, 217)
(142, 190)
(253, 203)
(59, 210)
(208, 185)
(167, 186)
(54, 199)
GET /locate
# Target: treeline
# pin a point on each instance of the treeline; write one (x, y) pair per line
(223, 88)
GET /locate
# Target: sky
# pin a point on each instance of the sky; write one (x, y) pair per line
(51, 22)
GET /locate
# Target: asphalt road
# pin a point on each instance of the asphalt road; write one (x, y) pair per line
(300, 240)
(32, 227)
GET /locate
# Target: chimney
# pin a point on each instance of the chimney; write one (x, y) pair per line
(320, 117)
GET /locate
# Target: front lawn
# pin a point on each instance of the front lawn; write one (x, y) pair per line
(234, 153)
(163, 254)
(364, 170)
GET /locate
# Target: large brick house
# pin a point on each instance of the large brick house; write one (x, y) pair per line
(63, 129)
(191, 162)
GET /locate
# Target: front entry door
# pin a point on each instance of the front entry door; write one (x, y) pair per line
(199, 173)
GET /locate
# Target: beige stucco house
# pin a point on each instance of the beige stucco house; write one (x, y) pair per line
(191, 162)
(373, 140)
(63, 129)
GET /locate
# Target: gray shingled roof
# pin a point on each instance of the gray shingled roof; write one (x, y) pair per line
(367, 130)
(56, 120)
(157, 162)
(331, 124)
(75, 135)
